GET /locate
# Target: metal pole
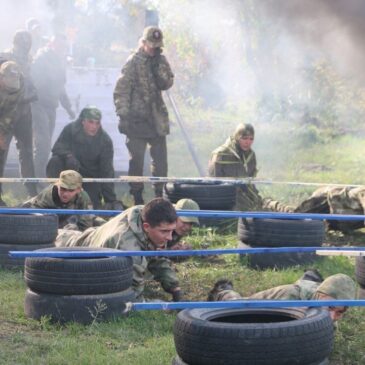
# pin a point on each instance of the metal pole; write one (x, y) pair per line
(185, 134)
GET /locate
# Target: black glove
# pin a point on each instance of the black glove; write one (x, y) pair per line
(177, 296)
(72, 162)
(122, 125)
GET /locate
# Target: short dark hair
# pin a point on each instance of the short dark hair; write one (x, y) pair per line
(158, 211)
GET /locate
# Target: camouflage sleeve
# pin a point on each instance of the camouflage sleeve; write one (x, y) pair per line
(123, 90)
(162, 72)
(8, 108)
(65, 101)
(215, 168)
(86, 220)
(162, 271)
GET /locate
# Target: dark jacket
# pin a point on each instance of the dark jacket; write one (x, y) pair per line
(94, 153)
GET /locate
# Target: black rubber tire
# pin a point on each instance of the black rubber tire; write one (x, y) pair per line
(282, 336)
(76, 308)
(78, 276)
(178, 361)
(278, 260)
(9, 263)
(28, 229)
(360, 271)
(208, 196)
(281, 232)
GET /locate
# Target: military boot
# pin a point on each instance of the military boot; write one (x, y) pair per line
(138, 198)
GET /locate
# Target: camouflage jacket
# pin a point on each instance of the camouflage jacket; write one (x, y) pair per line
(300, 290)
(94, 153)
(124, 232)
(48, 72)
(48, 199)
(138, 97)
(228, 161)
(8, 106)
(24, 62)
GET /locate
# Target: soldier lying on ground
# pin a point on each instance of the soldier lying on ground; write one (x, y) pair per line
(139, 228)
(336, 200)
(66, 193)
(309, 286)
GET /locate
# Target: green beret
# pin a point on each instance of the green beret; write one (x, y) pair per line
(90, 112)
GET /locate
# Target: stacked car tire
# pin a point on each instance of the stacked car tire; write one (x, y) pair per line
(78, 289)
(25, 233)
(280, 233)
(276, 336)
(208, 196)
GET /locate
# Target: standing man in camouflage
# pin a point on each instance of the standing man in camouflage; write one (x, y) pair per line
(22, 126)
(49, 77)
(335, 287)
(142, 113)
(86, 147)
(140, 228)
(66, 193)
(11, 94)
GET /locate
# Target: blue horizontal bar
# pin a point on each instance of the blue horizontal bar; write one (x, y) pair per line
(257, 250)
(248, 304)
(198, 213)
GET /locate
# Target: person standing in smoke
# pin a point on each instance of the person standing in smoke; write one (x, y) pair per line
(49, 76)
(142, 113)
(22, 127)
(11, 93)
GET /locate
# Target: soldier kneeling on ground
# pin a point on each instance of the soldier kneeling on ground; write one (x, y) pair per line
(309, 286)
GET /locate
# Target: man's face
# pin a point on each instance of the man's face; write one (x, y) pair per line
(245, 142)
(66, 195)
(149, 50)
(91, 126)
(336, 313)
(159, 235)
(183, 228)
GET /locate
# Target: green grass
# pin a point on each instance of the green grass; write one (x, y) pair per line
(146, 337)
(284, 153)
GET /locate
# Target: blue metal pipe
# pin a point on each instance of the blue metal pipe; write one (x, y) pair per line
(257, 250)
(197, 213)
(247, 304)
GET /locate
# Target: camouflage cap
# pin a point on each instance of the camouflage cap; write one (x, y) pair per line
(153, 37)
(187, 204)
(10, 74)
(339, 286)
(70, 179)
(244, 129)
(90, 112)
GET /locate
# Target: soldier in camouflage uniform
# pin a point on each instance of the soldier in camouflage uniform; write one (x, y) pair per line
(49, 77)
(86, 147)
(339, 286)
(66, 193)
(139, 228)
(142, 113)
(236, 159)
(11, 94)
(22, 126)
(336, 200)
